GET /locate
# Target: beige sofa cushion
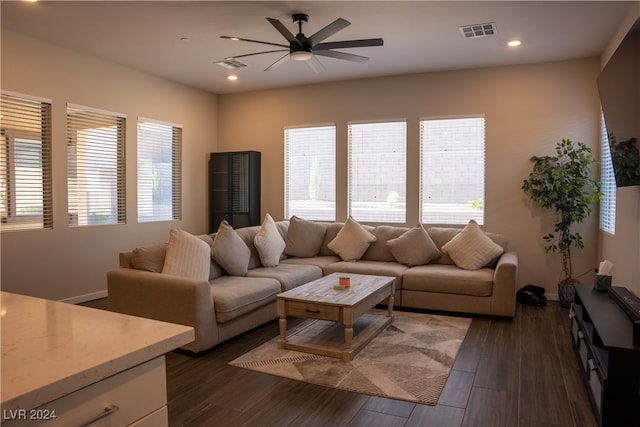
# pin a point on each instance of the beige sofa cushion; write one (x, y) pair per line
(304, 238)
(230, 251)
(187, 256)
(472, 248)
(442, 235)
(332, 231)
(352, 241)
(449, 279)
(289, 275)
(234, 296)
(378, 250)
(414, 247)
(269, 243)
(149, 258)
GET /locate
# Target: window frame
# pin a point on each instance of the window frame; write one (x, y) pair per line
(389, 199)
(82, 119)
(26, 107)
(608, 184)
(318, 215)
(176, 169)
(448, 217)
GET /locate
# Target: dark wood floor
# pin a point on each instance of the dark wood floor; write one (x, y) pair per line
(507, 373)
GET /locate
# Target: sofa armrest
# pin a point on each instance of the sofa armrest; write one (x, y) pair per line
(505, 278)
(168, 298)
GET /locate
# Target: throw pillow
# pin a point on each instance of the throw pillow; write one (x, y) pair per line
(269, 243)
(414, 247)
(304, 238)
(187, 256)
(149, 258)
(230, 251)
(472, 249)
(352, 241)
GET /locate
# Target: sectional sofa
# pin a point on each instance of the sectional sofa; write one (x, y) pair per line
(226, 283)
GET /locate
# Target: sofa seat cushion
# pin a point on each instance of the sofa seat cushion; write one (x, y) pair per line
(234, 296)
(449, 279)
(375, 268)
(289, 275)
(319, 261)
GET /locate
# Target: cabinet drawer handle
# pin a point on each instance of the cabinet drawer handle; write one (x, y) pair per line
(312, 311)
(111, 409)
(592, 365)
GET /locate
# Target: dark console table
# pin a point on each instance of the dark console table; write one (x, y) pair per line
(602, 335)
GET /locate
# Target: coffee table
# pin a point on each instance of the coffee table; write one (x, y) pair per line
(342, 326)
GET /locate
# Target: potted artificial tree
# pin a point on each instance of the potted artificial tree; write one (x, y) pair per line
(563, 183)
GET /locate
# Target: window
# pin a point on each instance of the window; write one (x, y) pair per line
(377, 171)
(310, 172)
(159, 171)
(452, 170)
(25, 163)
(95, 166)
(608, 182)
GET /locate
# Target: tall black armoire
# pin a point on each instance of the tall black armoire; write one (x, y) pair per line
(234, 189)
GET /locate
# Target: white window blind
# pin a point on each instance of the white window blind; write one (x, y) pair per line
(378, 171)
(608, 184)
(159, 171)
(452, 170)
(25, 163)
(95, 166)
(310, 172)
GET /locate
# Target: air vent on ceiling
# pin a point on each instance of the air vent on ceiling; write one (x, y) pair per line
(231, 64)
(478, 30)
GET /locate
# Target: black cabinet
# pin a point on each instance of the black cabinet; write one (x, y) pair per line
(234, 189)
(602, 336)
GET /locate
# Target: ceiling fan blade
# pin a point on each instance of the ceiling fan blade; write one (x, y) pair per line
(328, 31)
(285, 32)
(315, 64)
(278, 62)
(253, 41)
(341, 55)
(349, 43)
(229, 58)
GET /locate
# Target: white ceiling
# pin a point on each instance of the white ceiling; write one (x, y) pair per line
(419, 36)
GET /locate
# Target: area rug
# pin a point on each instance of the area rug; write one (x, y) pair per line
(409, 360)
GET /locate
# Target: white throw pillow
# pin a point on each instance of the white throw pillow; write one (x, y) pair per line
(414, 247)
(472, 249)
(187, 256)
(230, 251)
(352, 241)
(269, 243)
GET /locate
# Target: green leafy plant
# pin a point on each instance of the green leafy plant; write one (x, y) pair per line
(563, 183)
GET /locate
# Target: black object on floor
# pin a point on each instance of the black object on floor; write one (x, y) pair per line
(531, 295)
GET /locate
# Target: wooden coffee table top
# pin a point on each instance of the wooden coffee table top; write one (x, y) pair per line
(322, 291)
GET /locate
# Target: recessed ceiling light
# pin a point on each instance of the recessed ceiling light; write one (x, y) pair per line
(232, 77)
(514, 43)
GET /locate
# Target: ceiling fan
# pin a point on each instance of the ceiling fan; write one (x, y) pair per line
(303, 48)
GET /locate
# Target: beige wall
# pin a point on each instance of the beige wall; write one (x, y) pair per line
(623, 248)
(527, 109)
(71, 263)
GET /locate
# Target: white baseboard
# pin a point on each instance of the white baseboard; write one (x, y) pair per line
(84, 298)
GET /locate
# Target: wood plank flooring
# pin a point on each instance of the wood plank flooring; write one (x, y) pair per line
(507, 373)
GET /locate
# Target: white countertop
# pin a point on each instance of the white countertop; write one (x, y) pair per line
(51, 349)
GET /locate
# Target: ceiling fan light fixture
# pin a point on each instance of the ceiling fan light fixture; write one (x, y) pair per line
(301, 55)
